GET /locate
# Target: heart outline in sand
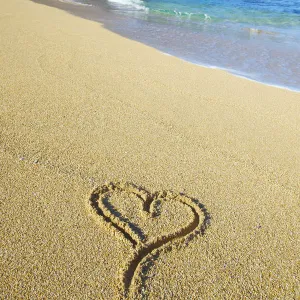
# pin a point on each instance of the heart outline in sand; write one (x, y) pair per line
(143, 249)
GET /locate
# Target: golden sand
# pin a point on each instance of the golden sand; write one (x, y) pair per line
(81, 106)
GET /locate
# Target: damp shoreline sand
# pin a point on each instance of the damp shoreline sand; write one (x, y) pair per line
(80, 106)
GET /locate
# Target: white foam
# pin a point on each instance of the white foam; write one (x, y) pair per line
(207, 17)
(136, 4)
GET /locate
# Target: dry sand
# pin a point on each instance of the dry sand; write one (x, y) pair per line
(80, 105)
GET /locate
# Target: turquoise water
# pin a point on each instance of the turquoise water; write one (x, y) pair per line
(278, 13)
(256, 39)
(254, 13)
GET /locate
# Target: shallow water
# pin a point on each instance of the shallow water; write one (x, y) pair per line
(256, 39)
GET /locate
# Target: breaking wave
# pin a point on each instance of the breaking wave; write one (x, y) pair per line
(130, 4)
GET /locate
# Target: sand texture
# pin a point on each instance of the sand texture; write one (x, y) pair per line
(126, 173)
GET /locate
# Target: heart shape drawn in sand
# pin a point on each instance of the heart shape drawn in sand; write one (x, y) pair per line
(152, 223)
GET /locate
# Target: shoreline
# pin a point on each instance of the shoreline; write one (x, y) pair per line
(102, 15)
(198, 158)
(234, 73)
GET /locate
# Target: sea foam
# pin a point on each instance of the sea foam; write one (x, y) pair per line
(135, 4)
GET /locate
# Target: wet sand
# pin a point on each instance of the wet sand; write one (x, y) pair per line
(81, 106)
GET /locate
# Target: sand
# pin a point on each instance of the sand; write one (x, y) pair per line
(81, 107)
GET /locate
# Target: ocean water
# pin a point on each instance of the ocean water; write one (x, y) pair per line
(256, 39)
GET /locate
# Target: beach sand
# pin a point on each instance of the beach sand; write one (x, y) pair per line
(81, 106)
